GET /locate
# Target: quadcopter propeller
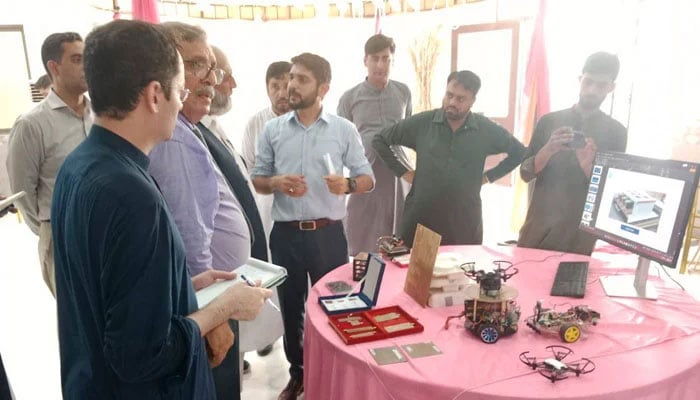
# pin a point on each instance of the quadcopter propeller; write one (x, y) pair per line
(559, 352)
(582, 366)
(508, 271)
(468, 266)
(529, 361)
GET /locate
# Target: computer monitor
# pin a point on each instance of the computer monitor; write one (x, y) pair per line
(642, 205)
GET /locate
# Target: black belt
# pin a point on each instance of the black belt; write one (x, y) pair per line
(312, 224)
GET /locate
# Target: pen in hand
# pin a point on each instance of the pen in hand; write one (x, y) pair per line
(269, 301)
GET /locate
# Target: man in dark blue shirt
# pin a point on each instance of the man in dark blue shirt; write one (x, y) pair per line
(128, 322)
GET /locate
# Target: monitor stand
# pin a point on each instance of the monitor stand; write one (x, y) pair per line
(631, 286)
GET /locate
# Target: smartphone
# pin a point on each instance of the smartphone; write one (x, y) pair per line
(578, 141)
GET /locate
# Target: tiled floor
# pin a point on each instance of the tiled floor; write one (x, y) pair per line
(28, 340)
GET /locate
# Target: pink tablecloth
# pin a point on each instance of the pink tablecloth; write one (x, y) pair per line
(643, 349)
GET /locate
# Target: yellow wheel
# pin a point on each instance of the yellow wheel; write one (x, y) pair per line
(570, 333)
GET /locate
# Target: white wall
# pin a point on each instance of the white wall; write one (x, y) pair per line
(653, 38)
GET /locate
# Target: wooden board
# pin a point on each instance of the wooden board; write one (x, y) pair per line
(420, 268)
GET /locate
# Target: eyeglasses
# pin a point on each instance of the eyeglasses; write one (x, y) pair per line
(202, 70)
(184, 94)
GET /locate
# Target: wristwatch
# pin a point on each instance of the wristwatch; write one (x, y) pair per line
(352, 185)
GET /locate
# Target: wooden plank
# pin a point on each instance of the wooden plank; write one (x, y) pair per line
(420, 268)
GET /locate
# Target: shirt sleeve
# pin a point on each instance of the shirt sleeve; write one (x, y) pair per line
(504, 142)
(620, 143)
(409, 104)
(265, 157)
(344, 107)
(527, 168)
(354, 158)
(143, 339)
(187, 180)
(24, 159)
(403, 133)
(248, 143)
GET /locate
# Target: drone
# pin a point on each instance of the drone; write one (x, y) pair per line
(490, 282)
(554, 368)
(490, 309)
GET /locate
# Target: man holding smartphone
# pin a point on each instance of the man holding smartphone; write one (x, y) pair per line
(560, 158)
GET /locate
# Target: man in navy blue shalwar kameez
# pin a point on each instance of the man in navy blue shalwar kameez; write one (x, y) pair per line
(129, 325)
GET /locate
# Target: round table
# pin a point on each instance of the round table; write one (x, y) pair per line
(642, 349)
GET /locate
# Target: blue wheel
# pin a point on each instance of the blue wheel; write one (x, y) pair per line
(488, 333)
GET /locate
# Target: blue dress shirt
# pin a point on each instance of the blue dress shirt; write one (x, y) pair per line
(286, 146)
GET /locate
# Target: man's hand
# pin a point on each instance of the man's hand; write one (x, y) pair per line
(219, 341)
(242, 302)
(586, 155)
(291, 185)
(484, 179)
(336, 184)
(558, 140)
(408, 176)
(11, 208)
(206, 278)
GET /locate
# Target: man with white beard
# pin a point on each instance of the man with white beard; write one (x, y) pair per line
(267, 328)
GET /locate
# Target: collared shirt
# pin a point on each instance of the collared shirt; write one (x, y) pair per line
(445, 195)
(39, 142)
(286, 146)
(253, 129)
(122, 289)
(372, 109)
(206, 212)
(560, 188)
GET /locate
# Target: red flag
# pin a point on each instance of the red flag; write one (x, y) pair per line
(377, 21)
(537, 72)
(145, 10)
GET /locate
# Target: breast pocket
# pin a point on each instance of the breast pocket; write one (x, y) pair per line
(332, 147)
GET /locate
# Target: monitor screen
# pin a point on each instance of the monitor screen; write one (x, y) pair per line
(640, 204)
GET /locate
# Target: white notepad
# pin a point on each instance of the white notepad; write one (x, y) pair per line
(270, 275)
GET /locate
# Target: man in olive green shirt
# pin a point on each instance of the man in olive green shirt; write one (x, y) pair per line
(451, 144)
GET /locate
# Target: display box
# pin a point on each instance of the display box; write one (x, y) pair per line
(365, 299)
(359, 266)
(377, 324)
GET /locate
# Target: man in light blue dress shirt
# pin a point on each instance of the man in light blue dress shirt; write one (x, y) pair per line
(300, 159)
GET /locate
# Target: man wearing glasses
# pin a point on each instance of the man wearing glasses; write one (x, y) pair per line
(207, 213)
